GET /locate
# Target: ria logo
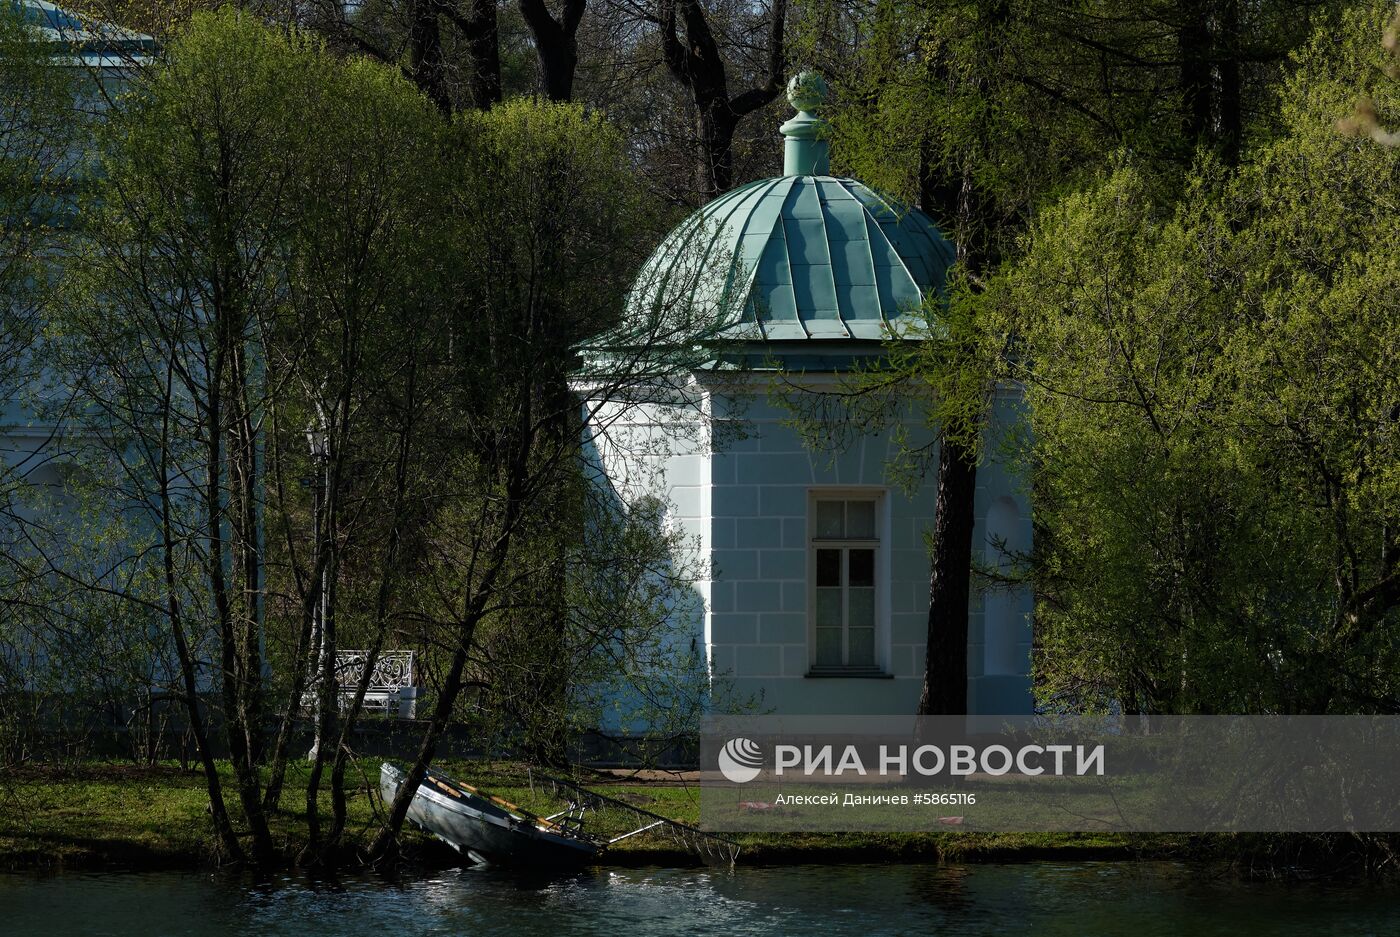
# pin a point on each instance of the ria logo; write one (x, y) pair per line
(740, 760)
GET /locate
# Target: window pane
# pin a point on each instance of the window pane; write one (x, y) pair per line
(830, 522)
(862, 571)
(828, 568)
(828, 647)
(862, 647)
(860, 519)
(828, 608)
(862, 608)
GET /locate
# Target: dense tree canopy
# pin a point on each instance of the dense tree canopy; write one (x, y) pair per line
(277, 240)
(1212, 376)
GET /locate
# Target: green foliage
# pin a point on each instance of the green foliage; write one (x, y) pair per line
(989, 113)
(43, 620)
(982, 111)
(552, 220)
(547, 227)
(181, 274)
(1212, 383)
(38, 124)
(282, 239)
(998, 98)
(39, 130)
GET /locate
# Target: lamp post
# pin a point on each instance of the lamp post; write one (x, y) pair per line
(321, 665)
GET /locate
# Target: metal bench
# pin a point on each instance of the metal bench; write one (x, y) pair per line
(391, 688)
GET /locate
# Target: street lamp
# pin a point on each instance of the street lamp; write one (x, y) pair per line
(319, 441)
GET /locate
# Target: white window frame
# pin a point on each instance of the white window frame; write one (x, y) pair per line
(880, 496)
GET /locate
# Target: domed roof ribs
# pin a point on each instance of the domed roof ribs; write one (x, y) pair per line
(834, 196)
(823, 259)
(902, 265)
(787, 253)
(876, 223)
(734, 201)
(739, 257)
(831, 261)
(692, 227)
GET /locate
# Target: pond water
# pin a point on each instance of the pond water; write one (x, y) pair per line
(1052, 899)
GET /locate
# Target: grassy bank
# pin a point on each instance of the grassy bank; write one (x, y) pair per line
(97, 815)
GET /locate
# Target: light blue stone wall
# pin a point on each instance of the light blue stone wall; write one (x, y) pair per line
(1000, 619)
(762, 478)
(740, 485)
(643, 450)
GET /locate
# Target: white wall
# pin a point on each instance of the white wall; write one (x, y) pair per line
(738, 478)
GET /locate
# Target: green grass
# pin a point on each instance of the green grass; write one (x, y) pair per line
(100, 815)
(97, 815)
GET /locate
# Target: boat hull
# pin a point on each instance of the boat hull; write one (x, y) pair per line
(483, 831)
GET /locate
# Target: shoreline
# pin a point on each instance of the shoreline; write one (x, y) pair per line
(118, 856)
(94, 817)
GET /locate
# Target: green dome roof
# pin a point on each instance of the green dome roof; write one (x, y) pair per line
(799, 257)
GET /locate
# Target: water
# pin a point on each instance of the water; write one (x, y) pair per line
(1044, 899)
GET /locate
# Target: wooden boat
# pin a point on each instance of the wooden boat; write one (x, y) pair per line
(488, 829)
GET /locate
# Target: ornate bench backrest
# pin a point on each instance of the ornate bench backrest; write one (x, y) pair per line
(393, 670)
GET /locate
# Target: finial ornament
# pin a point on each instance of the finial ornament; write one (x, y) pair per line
(805, 149)
(806, 91)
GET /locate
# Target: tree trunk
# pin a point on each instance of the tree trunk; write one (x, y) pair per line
(388, 579)
(236, 714)
(228, 454)
(555, 45)
(472, 614)
(1193, 52)
(248, 467)
(1227, 48)
(952, 196)
(945, 656)
(716, 130)
(425, 62)
(483, 43)
(277, 769)
(217, 810)
(327, 692)
(427, 750)
(698, 64)
(538, 700)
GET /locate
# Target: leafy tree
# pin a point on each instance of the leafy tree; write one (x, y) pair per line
(163, 339)
(352, 364)
(39, 120)
(253, 264)
(1212, 393)
(980, 112)
(39, 135)
(71, 664)
(279, 240)
(1363, 119)
(544, 217)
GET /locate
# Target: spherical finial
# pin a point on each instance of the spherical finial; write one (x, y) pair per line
(806, 91)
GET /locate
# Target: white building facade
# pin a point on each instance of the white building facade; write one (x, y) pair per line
(814, 593)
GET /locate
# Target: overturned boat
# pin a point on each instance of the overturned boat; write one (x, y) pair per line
(488, 829)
